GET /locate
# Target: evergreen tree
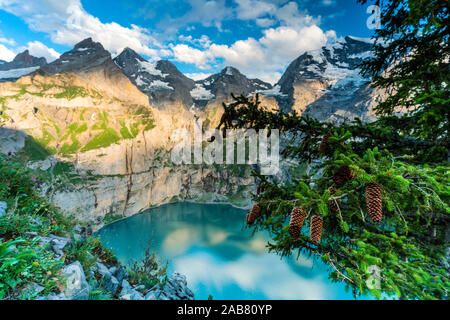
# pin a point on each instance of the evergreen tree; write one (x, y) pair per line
(373, 202)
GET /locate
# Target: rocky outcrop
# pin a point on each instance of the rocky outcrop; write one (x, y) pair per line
(77, 287)
(162, 82)
(23, 64)
(219, 87)
(23, 60)
(174, 289)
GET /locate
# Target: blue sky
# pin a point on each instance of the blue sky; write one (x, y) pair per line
(259, 37)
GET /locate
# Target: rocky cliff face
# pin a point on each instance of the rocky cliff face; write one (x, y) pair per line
(104, 152)
(23, 64)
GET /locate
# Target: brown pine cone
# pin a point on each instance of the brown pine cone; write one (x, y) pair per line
(374, 202)
(324, 143)
(298, 216)
(316, 229)
(342, 175)
(332, 205)
(253, 214)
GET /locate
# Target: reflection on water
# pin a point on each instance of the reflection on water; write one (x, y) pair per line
(208, 244)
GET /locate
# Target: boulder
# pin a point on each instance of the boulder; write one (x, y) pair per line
(121, 273)
(110, 283)
(33, 289)
(128, 293)
(102, 269)
(176, 288)
(77, 287)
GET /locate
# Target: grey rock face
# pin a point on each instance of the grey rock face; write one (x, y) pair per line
(3, 207)
(86, 55)
(77, 287)
(161, 81)
(220, 86)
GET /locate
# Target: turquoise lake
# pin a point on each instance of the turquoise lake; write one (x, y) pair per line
(209, 244)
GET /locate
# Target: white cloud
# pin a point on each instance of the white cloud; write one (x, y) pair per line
(10, 42)
(38, 49)
(328, 2)
(184, 53)
(264, 58)
(253, 9)
(6, 54)
(197, 75)
(208, 13)
(68, 23)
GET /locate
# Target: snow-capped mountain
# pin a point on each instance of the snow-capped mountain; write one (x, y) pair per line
(23, 64)
(161, 81)
(220, 86)
(326, 83)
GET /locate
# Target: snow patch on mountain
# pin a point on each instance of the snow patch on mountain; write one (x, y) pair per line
(158, 84)
(17, 73)
(275, 91)
(200, 93)
(150, 67)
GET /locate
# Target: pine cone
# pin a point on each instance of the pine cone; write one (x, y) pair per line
(332, 205)
(298, 216)
(253, 214)
(342, 175)
(374, 202)
(316, 229)
(324, 144)
(333, 190)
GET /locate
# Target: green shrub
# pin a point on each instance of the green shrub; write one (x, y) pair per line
(150, 271)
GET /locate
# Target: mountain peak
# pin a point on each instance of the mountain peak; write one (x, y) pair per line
(230, 71)
(26, 60)
(161, 81)
(87, 44)
(127, 56)
(85, 55)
